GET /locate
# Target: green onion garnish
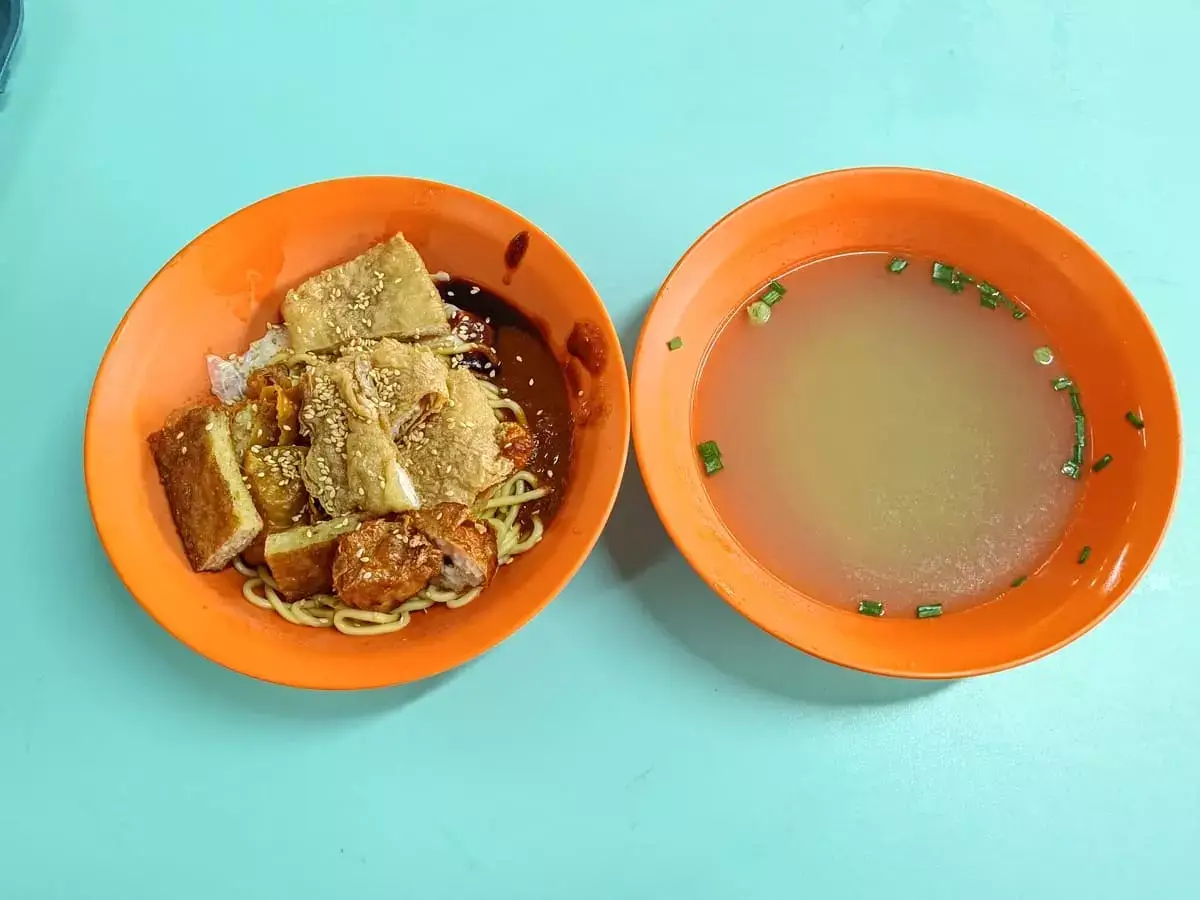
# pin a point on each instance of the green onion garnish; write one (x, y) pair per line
(1076, 404)
(710, 455)
(1080, 427)
(774, 293)
(897, 264)
(1102, 462)
(1084, 554)
(759, 312)
(870, 607)
(929, 611)
(990, 296)
(675, 343)
(1135, 420)
(1044, 355)
(1019, 580)
(950, 277)
(1018, 313)
(1070, 468)
(1062, 383)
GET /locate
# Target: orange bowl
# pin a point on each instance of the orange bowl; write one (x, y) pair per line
(1096, 324)
(215, 296)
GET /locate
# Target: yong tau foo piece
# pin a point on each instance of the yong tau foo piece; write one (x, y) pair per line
(455, 457)
(301, 558)
(384, 563)
(468, 548)
(212, 508)
(385, 292)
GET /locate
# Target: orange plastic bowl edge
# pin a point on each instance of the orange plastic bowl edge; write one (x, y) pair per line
(995, 236)
(216, 295)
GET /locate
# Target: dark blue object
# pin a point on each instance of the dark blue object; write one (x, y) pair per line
(10, 28)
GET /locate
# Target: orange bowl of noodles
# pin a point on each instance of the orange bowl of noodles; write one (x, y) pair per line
(219, 293)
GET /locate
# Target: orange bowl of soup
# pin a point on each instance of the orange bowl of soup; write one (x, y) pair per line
(220, 292)
(906, 423)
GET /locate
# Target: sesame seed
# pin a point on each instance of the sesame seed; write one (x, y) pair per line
(519, 359)
(579, 393)
(208, 427)
(179, 436)
(531, 382)
(538, 413)
(183, 450)
(474, 290)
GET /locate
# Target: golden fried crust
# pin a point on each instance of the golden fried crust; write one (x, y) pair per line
(301, 558)
(469, 553)
(385, 292)
(382, 564)
(274, 477)
(279, 392)
(516, 443)
(212, 508)
(252, 424)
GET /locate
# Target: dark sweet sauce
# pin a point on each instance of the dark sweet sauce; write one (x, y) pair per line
(528, 370)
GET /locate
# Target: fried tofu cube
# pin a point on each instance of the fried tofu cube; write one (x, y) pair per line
(301, 558)
(212, 508)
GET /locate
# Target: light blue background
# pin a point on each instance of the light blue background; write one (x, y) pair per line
(638, 739)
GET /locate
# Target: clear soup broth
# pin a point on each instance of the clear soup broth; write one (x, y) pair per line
(887, 439)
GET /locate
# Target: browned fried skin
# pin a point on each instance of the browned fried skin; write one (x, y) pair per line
(384, 563)
(516, 444)
(304, 573)
(273, 476)
(468, 547)
(278, 376)
(195, 488)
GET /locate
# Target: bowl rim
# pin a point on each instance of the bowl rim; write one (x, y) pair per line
(238, 661)
(707, 570)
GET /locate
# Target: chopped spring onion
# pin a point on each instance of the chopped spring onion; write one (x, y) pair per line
(1135, 420)
(990, 296)
(929, 611)
(675, 343)
(774, 293)
(1070, 468)
(870, 608)
(949, 277)
(1080, 428)
(1084, 554)
(897, 264)
(1044, 355)
(1076, 404)
(759, 312)
(1102, 462)
(1062, 383)
(710, 455)
(1019, 580)
(1018, 313)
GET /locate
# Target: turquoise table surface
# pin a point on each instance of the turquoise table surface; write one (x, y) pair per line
(638, 739)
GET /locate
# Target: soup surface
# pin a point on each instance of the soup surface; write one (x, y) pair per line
(885, 438)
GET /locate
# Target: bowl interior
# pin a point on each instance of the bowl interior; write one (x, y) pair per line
(1095, 323)
(216, 296)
